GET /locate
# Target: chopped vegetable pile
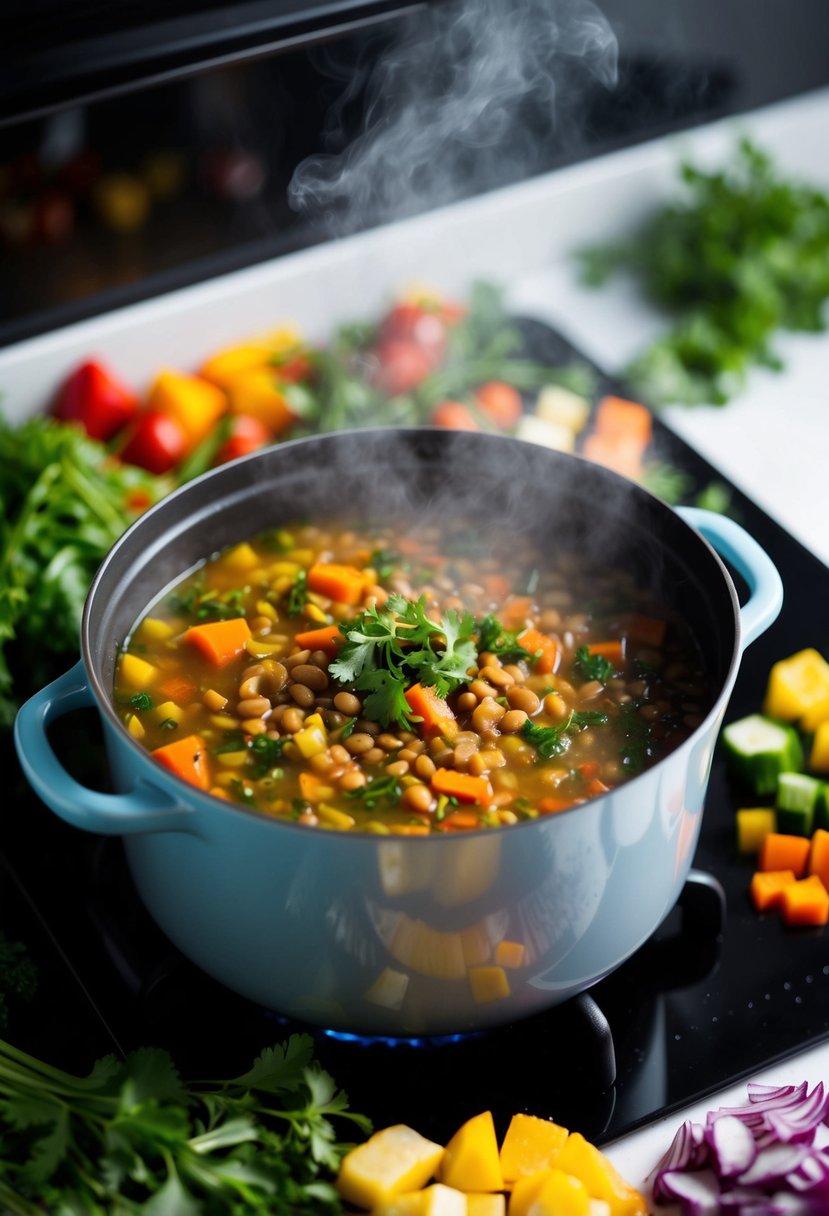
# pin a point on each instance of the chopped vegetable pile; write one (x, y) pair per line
(133, 1137)
(781, 755)
(760, 1158)
(744, 254)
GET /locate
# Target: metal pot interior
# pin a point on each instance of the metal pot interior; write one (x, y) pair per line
(564, 502)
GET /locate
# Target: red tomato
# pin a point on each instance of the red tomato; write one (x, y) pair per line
(500, 402)
(455, 416)
(247, 434)
(156, 442)
(401, 366)
(412, 323)
(94, 397)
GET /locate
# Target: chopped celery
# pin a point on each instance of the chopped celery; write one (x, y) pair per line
(795, 803)
(759, 749)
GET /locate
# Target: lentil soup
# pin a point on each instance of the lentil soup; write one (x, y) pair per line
(377, 679)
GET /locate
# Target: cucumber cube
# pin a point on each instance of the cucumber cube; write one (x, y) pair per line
(758, 749)
(795, 803)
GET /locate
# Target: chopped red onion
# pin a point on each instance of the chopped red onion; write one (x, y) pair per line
(733, 1147)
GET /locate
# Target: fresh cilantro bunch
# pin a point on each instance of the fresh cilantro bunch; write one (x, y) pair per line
(390, 648)
(132, 1137)
(740, 255)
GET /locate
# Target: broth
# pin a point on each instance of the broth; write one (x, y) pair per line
(390, 680)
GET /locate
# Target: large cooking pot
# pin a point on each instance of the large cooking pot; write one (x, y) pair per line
(401, 935)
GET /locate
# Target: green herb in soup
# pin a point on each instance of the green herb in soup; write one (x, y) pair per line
(372, 679)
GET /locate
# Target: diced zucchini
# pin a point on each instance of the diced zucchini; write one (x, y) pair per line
(758, 749)
(795, 802)
(822, 808)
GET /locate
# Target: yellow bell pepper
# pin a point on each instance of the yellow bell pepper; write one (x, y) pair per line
(194, 403)
(796, 685)
(471, 1161)
(819, 755)
(258, 393)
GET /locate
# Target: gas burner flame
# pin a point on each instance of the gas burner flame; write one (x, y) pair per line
(394, 1042)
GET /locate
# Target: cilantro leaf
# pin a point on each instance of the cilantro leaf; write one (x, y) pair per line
(552, 741)
(492, 636)
(592, 666)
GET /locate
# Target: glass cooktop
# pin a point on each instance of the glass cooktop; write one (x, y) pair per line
(715, 995)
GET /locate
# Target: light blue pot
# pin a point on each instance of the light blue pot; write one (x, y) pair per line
(405, 935)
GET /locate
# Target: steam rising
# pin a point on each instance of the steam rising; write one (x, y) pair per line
(466, 100)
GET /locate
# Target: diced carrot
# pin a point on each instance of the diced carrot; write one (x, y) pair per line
(515, 611)
(589, 769)
(766, 888)
(461, 821)
(619, 417)
(614, 651)
(345, 584)
(819, 856)
(313, 788)
(496, 584)
(647, 629)
(454, 416)
(462, 786)
(501, 402)
(550, 805)
(219, 641)
(596, 787)
(188, 759)
(328, 638)
(435, 716)
(412, 829)
(177, 688)
(621, 454)
(543, 647)
(781, 851)
(805, 902)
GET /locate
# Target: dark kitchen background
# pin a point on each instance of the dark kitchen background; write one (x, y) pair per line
(144, 146)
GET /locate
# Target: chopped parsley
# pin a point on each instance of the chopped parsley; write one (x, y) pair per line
(551, 741)
(297, 596)
(168, 724)
(592, 666)
(379, 789)
(492, 636)
(141, 701)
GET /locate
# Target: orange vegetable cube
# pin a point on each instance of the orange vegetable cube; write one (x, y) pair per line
(259, 393)
(530, 1144)
(462, 786)
(219, 641)
(187, 758)
(616, 416)
(543, 647)
(584, 1161)
(345, 584)
(470, 1160)
(195, 404)
(805, 902)
(780, 851)
(433, 714)
(767, 888)
(819, 856)
(329, 638)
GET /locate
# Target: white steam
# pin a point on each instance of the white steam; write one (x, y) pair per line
(465, 100)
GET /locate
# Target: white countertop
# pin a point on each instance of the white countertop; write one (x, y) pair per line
(772, 442)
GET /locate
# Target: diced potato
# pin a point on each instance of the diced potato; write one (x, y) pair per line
(135, 727)
(488, 984)
(435, 1200)
(391, 1162)
(168, 711)
(558, 404)
(530, 1144)
(796, 684)
(312, 740)
(525, 1192)
(152, 629)
(555, 435)
(509, 954)
(137, 672)
(470, 1161)
(389, 989)
(241, 558)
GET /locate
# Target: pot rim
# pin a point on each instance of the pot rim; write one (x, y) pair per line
(190, 793)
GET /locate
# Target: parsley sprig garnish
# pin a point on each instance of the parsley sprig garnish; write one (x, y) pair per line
(552, 741)
(492, 636)
(592, 666)
(132, 1136)
(388, 649)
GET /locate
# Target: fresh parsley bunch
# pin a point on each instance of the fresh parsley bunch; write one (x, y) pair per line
(388, 649)
(133, 1138)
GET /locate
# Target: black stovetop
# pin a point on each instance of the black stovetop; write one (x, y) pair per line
(705, 1002)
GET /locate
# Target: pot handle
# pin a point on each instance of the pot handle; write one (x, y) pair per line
(733, 543)
(146, 808)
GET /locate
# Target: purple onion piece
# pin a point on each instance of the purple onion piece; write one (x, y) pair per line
(732, 1146)
(698, 1193)
(772, 1164)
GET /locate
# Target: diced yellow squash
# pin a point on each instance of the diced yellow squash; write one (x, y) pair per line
(435, 1200)
(488, 984)
(819, 755)
(817, 713)
(560, 1194)
(558, 404)
(470, 1160)
(524, 1192)
(389, 989)
(168, 711)
(152, 629)
(135, 726)
(796, 684)
(486, 1205)
(510, 954)
(332, 817)
(392, 1161)
(241, 558)
(530, 1144)
(753, 825)
(312, 739)
(586, 1162)
(137, 672)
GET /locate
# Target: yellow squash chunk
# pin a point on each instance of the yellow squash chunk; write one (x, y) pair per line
(168, 711)
(583, 1160)
(470, 1161)
(817, 713)
(152, 629)
(510, 954)
(137, 672)
(135, 726)
(796, 684)
(435, 1200)
(241, 558)
(486, 1205)
(530, 1144)
(392, 1161)
(524, 1192)
(819, 755)
(488, 984)
(753, 825)
(560, 1194)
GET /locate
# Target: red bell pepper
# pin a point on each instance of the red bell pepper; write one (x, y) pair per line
(156, 442)
(247, 434)
(95, 398)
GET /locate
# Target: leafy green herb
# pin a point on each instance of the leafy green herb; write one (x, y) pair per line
(243, 792)
(552, 741)
(379, 789)
(385, 562)
(132, 1137)
(389, 648)
(592, 666)
(634, 753)
(297, 596)
(205, 604)
(266, 754)
(168, 724)
(18, 976)
(492, 636)
(141, 701)
(742, 254)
